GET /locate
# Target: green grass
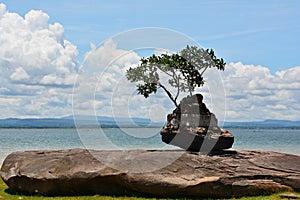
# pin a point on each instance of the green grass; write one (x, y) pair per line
(7, 196)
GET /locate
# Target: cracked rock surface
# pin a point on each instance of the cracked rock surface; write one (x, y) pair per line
(82, 172)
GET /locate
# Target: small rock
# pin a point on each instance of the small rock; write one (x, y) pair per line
(290, 196)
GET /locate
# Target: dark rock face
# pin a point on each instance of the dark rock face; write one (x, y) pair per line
(193, 127)
(191, 140)
(77, 172)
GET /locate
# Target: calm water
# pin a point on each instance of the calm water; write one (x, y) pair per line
(286, 141)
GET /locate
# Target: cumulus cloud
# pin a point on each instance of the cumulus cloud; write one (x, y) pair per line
(241, 93)
(38, 68)
(104, 90)
(254, 93)
(19, 74)
(102, 87)
(109, 58)
(33, 50)
(34, 58)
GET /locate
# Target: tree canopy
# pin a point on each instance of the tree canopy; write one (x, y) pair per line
(184, 71)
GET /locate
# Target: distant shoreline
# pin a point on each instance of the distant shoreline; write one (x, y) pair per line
(110, 122)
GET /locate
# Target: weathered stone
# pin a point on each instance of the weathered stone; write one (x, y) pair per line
(222, 175)
(198, 139)
(193, 127)
(193, 112)
(290, 196)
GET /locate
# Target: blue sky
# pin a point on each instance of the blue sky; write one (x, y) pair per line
(255, 32)
(259, 40)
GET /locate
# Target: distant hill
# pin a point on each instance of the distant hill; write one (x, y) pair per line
(269, 123)
(81, 121)
(37, 123)
(110, 122)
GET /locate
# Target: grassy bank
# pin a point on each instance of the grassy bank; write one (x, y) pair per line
(4, 194)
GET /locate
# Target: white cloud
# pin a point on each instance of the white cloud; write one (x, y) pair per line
(102, 86)
(19, 74)
(37, 64)
(2, 9)
(104, 90)
(38, 68)
(36, 20)
(109, 58)
(32, 49)
(247, 92)
(253, 93)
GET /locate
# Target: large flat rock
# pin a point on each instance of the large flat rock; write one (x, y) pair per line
(155, 173)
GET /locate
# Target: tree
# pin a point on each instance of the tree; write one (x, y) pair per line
(184, 69)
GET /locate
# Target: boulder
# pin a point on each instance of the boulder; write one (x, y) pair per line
(193, 127)
(191, 140)
(222, 175)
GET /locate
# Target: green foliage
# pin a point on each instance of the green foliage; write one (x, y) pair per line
(185, 71)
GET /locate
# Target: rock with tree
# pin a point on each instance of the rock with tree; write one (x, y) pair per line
(191, 125)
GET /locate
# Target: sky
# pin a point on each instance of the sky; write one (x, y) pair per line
(47, 46)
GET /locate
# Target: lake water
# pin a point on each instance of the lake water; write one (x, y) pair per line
(283, 140)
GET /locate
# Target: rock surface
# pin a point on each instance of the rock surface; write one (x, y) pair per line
(221, 175)
(191, 140)
(193, 127)
(289, 196)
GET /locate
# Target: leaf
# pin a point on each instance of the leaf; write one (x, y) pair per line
(184, 70)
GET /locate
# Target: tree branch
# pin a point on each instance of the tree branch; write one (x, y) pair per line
(178, 88)
(164, 71)
(204, 70)
(169, 94)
